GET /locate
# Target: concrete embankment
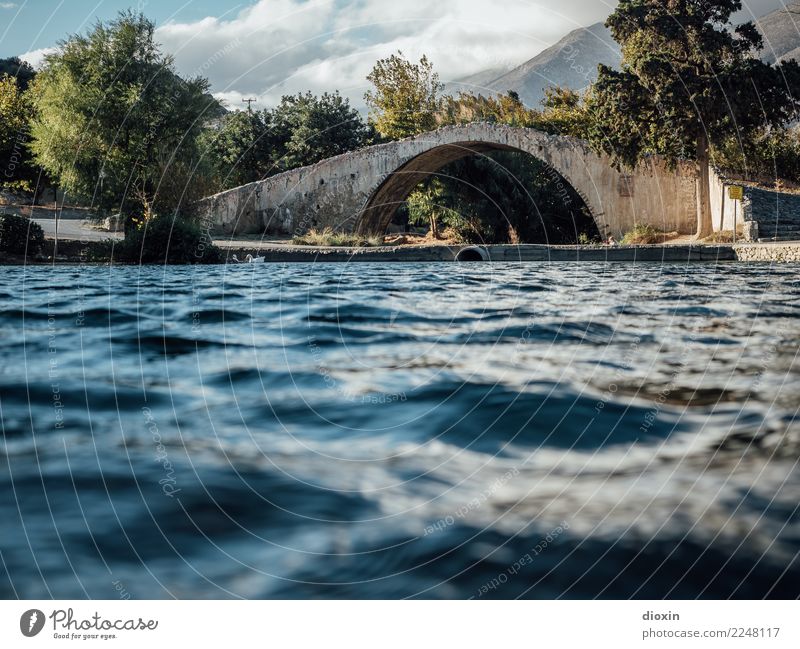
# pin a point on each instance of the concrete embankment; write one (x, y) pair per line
(75, 251)
(490, 253)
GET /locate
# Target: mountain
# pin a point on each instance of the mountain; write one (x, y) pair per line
(781, 33)
(477, 83)
(571, 62)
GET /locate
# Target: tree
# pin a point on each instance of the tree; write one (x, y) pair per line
(564, 112)
(240, 148)
(310, 128)
(689, 79)
(770, 156)
(406, 96)
(302, 130)
(112, 118)
(467, 107)
(21, 70)
(18, 172)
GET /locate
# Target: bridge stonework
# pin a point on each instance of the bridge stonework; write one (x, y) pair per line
(361, 190)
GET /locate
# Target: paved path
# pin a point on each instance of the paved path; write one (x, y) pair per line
(75, 229)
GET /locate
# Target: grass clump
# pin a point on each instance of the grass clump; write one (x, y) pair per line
(328, 237)
(644, 234)
(726, 236)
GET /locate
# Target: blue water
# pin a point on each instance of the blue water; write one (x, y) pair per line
(385, 430)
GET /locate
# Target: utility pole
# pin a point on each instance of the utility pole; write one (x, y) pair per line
(248, 102)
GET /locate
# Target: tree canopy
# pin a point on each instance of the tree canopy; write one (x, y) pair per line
(239, 148)
(310, 128)
(22, 71)
(18, 171)
(112, 118)
(405, 98)
(302, 130)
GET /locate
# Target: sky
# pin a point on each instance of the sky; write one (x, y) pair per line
(267, 48)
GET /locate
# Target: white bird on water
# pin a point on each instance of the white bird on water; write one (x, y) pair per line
(249, 260)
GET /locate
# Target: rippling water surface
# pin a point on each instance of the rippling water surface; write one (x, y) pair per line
(382, 430)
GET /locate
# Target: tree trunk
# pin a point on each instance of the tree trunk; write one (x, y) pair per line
(434, 226)
(704, 225)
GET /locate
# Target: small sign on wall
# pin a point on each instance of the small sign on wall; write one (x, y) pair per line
(735, 192)
(625, 186)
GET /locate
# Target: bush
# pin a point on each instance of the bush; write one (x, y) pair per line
(585, 239)
(168, 240)
(19, 235)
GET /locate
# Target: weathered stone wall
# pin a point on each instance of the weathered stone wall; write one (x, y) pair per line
(361, 190)
(723, 208)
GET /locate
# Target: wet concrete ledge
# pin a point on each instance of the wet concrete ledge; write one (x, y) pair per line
(785, 252)
(527, 252)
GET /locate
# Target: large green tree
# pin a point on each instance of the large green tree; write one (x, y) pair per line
(113, 120)
(405, 98)
(689, 79)
(18, 172)
(239, 148)
(302, 130)
(310, 128)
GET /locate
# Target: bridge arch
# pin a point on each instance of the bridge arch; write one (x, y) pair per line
(360, 190)
(392, 192)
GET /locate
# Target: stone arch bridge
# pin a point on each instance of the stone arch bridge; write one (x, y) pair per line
(361, 190)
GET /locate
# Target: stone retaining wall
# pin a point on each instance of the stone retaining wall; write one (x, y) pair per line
(769, 252)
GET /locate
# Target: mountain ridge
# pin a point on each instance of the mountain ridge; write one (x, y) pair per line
(572, 61)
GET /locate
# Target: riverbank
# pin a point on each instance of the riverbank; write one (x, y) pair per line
(751, 252)
(497, 253)
(76, 252)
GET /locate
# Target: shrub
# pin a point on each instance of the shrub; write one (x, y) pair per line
(589, 239)
(99, 251)
(168, 240)
(19, 235)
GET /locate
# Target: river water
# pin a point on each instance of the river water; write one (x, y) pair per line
(385, 430)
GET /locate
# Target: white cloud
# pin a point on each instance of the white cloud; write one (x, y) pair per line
(275, 47)
(36, 57)
(8, 5)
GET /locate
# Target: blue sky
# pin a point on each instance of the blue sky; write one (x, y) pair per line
(35, 24)
(267, 48)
